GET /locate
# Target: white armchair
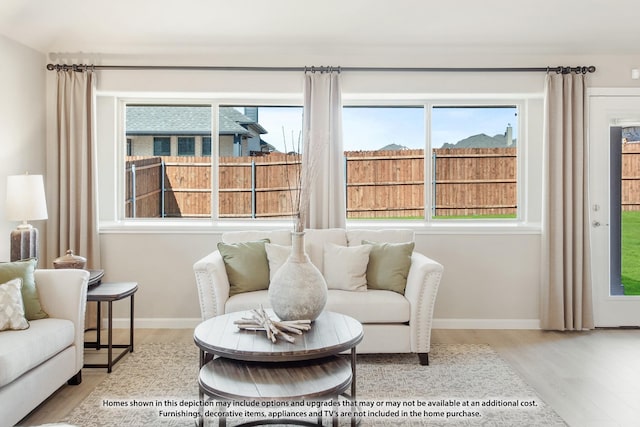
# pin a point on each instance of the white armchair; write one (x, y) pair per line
(393, 323)
(35, 362)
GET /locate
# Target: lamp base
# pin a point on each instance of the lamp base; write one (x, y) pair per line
(24, 243)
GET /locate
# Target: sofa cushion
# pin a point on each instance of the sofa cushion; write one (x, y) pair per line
(276, 256)
(389, 265)
(281, 237)
(356, 236)
(23, 350)
(246, 265)
(247, 301)
(372, 306)
(346, 267)
(11, 307)
(314, 240)
(25, 270)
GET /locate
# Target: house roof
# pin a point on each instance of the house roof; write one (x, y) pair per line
(185, 120)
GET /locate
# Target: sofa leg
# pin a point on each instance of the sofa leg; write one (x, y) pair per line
(424, 358)
(76, 379)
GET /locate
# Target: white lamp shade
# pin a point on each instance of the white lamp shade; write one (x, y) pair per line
(25, 198)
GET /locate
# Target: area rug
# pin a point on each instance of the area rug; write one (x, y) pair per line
(464, 385)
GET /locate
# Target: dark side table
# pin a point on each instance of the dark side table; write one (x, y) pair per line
(95, 277)
(111, 292)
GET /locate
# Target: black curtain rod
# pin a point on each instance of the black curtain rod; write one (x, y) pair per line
(87, 67)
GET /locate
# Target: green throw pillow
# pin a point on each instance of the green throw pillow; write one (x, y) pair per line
(246, 265)
(389, 265)
(25, 270)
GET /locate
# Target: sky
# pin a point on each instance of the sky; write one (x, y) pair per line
(371, 128)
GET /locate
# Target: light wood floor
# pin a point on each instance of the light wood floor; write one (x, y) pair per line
(589, 379)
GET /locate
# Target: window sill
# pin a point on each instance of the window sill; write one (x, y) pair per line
(461, 227)
(154, 226)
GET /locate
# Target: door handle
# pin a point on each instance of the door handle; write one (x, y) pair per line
(599, 224)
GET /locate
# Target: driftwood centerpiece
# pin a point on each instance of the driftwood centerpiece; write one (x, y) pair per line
(275, 329)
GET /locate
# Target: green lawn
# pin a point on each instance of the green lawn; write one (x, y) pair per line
(631, 252)
(497, 216)
(494, 216)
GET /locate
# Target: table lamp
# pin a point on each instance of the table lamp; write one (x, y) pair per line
(25, 202)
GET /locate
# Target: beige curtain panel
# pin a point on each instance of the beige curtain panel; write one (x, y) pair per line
(567, 301)
(323, 148)
(71, 171)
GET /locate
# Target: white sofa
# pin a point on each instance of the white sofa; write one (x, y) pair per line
(35, 362)
(393, 323)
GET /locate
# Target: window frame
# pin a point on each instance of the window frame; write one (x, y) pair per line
(391, 103)
(520, 104)
(519, 101)
(117, 220)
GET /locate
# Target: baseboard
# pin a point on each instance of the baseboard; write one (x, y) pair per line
(486, 324)
(189, 323)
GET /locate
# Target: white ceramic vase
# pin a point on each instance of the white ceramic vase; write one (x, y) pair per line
(298, 289)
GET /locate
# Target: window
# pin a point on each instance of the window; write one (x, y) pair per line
(256, 167)
(161, 146)
(384, 155)
(186, 146)
(414, 162)
(206, 146)
(157, 184)
(259, 159)
(474, 162)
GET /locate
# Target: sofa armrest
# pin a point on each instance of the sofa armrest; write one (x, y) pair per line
(421, 291)
(213, 285)
(63, 295)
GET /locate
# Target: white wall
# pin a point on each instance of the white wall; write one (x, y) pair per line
(492, 276)
(22, 123)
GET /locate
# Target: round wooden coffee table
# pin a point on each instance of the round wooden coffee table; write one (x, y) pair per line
(239, 364)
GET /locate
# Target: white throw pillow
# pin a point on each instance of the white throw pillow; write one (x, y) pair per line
(276, 255)
(345, 267)
(11, 307)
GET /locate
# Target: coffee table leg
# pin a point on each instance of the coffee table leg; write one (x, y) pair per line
(222, 419)
(353, 386)
(200, 422)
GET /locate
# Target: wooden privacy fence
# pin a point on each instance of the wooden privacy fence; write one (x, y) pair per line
(466, 181)
(168, 187)
(474, 181)
(380, 184)
(630, 186)
(385, 184)
(257, 187)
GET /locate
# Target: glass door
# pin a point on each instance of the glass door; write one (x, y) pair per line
(615, 217)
